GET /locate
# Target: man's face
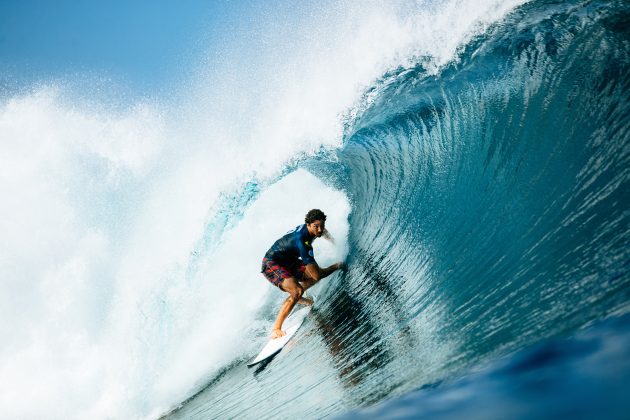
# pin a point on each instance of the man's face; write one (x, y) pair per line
(316, 228)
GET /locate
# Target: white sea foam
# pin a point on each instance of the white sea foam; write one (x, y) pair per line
(103, 315)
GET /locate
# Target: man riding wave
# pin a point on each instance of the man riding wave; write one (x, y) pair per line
(290, 265)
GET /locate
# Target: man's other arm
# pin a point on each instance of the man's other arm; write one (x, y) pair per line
(316, 273)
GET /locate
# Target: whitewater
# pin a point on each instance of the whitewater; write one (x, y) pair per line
(473, 160)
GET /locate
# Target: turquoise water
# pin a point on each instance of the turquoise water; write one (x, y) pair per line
(490, 213)
(472, 157)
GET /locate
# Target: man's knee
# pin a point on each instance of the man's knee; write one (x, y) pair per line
(296, 293)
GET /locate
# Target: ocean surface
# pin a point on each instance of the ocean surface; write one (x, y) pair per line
(476, 174)
(490, 213)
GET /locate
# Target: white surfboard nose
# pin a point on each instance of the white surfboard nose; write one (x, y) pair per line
(274, 345)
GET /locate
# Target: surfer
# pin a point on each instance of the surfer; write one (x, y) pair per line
(290, 264)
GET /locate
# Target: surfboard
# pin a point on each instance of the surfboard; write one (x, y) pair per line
(290, 326)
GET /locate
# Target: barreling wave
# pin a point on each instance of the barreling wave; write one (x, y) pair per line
(489, 212)
(493, 197)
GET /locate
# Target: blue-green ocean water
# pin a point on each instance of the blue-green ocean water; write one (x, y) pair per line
(490, 225)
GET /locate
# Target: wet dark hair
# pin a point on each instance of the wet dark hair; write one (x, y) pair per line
(315, 214)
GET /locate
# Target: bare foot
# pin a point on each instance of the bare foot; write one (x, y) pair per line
(305, 301)
(277, 334)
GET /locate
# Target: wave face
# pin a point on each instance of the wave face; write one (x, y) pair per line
(492, 200)
(489, 212)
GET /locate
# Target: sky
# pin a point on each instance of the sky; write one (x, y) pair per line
(141, 44)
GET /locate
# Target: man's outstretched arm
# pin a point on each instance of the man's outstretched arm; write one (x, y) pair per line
(316, 273)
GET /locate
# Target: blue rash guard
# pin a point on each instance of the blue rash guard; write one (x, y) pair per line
(295, 245)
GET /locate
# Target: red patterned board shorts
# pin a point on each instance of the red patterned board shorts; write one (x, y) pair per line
(276, 273)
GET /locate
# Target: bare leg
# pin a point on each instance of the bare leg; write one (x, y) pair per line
(306, 283)
(295, 290)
